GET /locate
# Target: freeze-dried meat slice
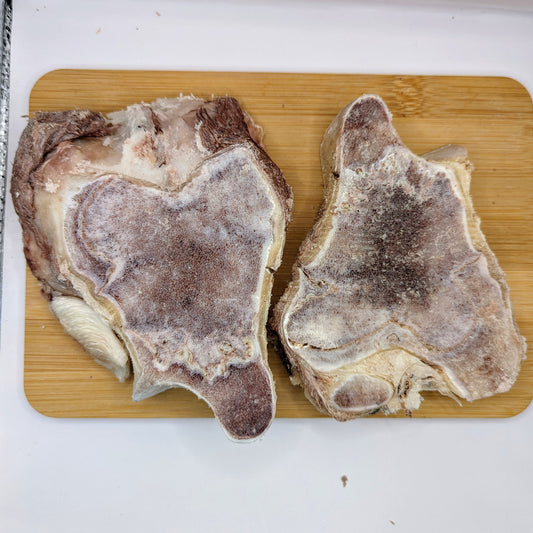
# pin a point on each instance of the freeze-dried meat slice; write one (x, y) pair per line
(395, 289)
(155, 235)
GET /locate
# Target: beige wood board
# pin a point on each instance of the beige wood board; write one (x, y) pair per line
(491, 116)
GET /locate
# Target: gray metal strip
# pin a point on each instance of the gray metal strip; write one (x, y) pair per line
(6, 17)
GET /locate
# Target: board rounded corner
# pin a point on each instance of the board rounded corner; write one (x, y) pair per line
(521, 85)
(41, 78)
(35, 407)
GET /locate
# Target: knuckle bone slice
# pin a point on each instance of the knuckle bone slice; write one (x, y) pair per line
(155, 233)
(395, 290)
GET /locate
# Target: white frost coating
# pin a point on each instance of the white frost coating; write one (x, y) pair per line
(51, 187)
(96, 337)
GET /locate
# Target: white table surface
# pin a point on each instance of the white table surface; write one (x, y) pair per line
(185, 475)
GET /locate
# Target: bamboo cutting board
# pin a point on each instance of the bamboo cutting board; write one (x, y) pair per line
(492, 117)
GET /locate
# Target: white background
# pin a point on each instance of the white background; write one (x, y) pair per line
(184, 475)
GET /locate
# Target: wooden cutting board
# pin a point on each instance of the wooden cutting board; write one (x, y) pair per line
(491, 116)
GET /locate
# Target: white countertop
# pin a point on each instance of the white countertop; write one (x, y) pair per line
(62, 475)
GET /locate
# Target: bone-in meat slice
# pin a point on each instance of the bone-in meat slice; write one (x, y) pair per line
(395, 289)
(155, 234)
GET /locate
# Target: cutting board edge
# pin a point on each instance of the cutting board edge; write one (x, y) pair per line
(49, 413)
(40, 78)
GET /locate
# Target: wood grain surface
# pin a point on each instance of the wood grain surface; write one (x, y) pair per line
(491, 116)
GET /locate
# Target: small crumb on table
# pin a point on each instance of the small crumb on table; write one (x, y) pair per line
(344, 480)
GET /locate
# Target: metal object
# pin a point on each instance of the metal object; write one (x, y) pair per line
(6, 16)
